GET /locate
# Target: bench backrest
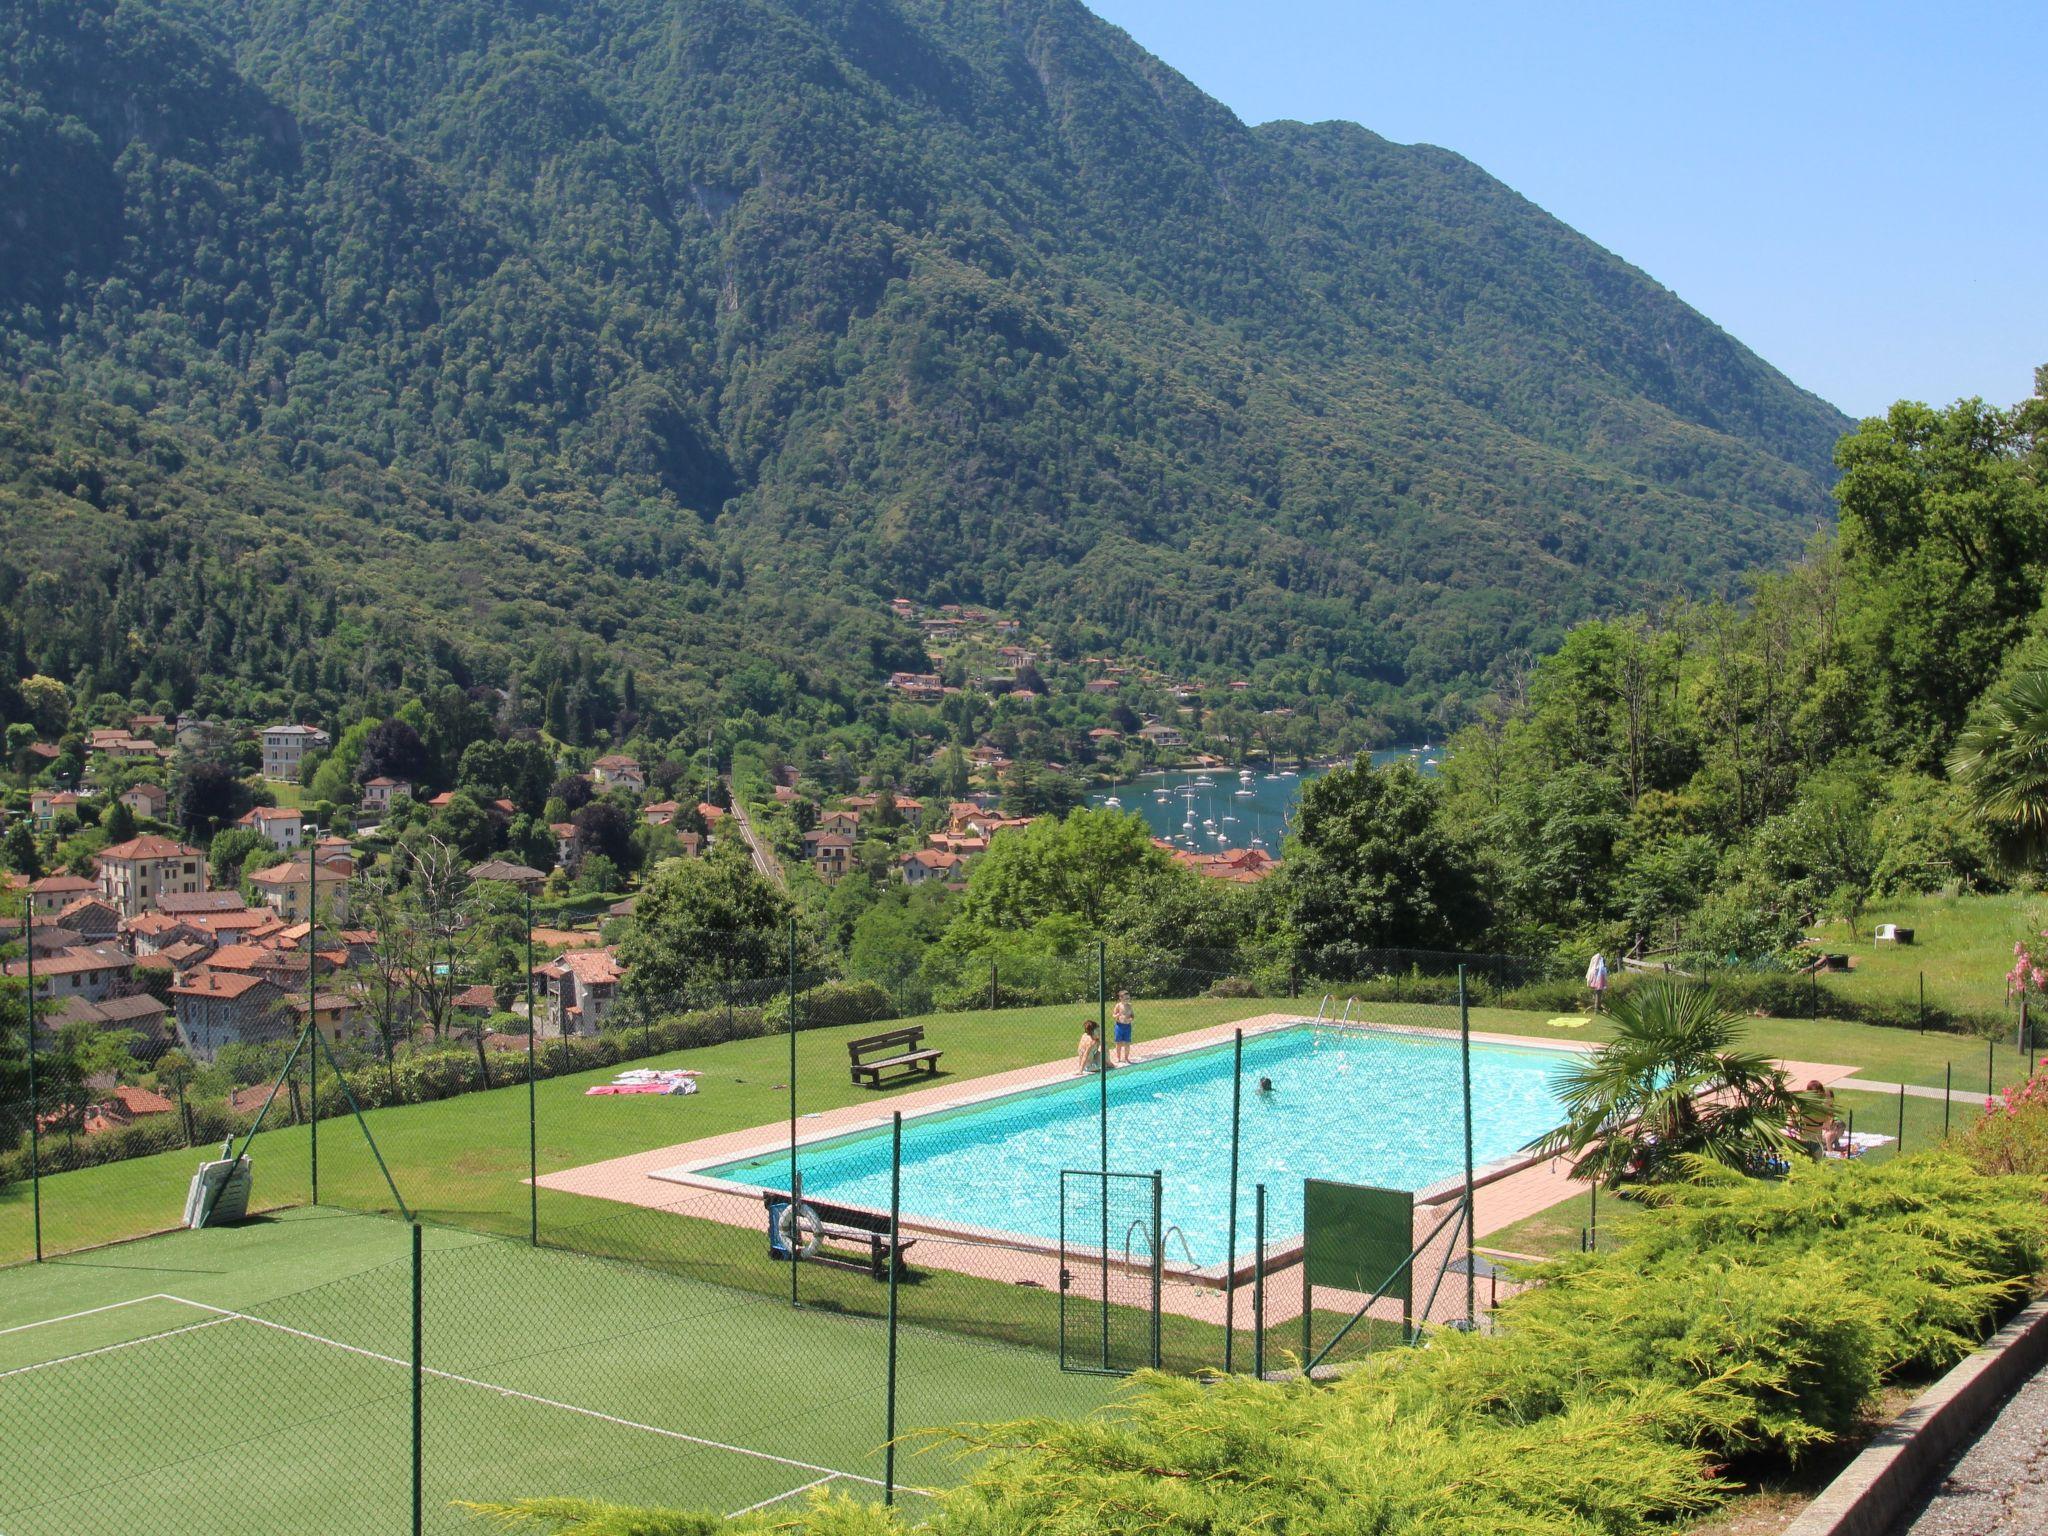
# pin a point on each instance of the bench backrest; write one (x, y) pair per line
(896, 1039)
(836, 1215)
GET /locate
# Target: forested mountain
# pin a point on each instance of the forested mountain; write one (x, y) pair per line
(471, 339)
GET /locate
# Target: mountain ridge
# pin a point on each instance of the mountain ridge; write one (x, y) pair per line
(969, 300)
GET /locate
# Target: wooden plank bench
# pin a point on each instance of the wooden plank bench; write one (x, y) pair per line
(900, 1050)
(845, 1226)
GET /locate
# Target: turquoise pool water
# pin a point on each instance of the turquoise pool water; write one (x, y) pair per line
(1367, 1106)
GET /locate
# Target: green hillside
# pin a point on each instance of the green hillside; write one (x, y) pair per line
(681, 332)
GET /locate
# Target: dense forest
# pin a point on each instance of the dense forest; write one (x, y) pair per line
(639, 348)
(1871, 722)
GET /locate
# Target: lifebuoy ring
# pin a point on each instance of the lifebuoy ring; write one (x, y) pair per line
(799, 1229)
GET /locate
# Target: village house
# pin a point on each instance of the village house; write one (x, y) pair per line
(94, 972)
(120, 1105)
(1247, 866)
(380, 793)
(284, 888)
(198, 735)
(661, 813)
(279, 826)
(244, 925)
(193, 903)
(1163, 735)
(615, 769)
(53, 893)
(46, 805)
(923, 686)
(155, 932)
(149, 1019)
(137, 874)
(847, 823)
(565, 843)
(213, 1009)
(580, 987)
(285, 748)
(523, 877)
(930, 864)
(92, 920)
(335, 1015)
(149, 800)
(831, 853)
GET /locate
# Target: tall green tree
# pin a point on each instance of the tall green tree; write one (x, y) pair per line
(1371, 866)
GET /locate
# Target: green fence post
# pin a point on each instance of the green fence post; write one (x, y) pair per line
(1230, 1250)
(1990, 1065)
(1900, 1145)
(532, 1094)
(1948, 1088)
(1593, 1216)
(992, 986)
(1158, 1262)
(419, 1378)
(795, 1185)
(1259, 1282)
(35, 1108)
(1813, 994)
(313, 1005)
(1471, 1219)
(1923, 1002)
(1102, 1121)
(895, 1263)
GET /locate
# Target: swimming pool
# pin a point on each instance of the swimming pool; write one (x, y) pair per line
(1369, 1106)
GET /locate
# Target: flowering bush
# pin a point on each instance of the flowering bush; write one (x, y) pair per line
(2029, 971)
(2013, 1135)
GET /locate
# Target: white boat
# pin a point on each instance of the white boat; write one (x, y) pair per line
(1247, 794)
(1113, 803)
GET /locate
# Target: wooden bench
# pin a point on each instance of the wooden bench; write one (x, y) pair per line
(900, 1050)
(848, 1227)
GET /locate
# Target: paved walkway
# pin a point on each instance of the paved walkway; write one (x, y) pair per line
(1998, 1486)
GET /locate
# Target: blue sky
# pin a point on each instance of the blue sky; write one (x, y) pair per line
(1858, 191)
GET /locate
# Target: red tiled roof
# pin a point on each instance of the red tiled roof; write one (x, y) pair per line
(150, 846)
(217, 984)
(60, 884)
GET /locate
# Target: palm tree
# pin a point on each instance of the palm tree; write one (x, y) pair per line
(2002, 759)
(1671, 1083)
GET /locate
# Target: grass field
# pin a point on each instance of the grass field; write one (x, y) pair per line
(259, 1378)
(462, 1161)
(1962, 945)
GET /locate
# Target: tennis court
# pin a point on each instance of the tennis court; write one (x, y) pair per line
(173, 1385)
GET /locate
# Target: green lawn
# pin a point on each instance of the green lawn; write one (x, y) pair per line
(462, 1161)
(1962, 945)
(259, 1378)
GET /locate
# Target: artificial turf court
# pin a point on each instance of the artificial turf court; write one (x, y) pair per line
(260, 1377)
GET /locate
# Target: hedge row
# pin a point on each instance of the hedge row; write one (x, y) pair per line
(1752, 1324)
(428, 1076)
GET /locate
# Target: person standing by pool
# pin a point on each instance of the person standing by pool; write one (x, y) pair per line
(1085, 1049)
(1123, 1019)
(1596, 979)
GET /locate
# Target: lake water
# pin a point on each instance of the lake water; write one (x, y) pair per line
(1215, 810)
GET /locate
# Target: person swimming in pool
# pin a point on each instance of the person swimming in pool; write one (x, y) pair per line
(1265, 1085)
(1085, 1048)
(1123, 1020)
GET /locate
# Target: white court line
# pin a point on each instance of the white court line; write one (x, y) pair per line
(778, 1498)
(112, 1306)
(225, 1313)
(108, 1349)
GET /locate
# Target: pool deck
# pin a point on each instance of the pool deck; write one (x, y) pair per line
(662, 1179)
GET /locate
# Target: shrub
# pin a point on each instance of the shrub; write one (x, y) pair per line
(845, 1002)
(2012, 1137)
(1751, 1317)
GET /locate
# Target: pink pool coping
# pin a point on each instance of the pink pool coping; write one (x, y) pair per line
(669, 1177)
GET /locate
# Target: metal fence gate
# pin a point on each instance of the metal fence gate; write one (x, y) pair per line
(1110, 1271)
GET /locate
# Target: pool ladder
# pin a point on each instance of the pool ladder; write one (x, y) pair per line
(1139, 1225)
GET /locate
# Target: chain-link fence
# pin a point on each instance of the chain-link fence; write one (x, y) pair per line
(653, 1271)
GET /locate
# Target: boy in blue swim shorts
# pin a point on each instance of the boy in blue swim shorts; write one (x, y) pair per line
(1122, 1019)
